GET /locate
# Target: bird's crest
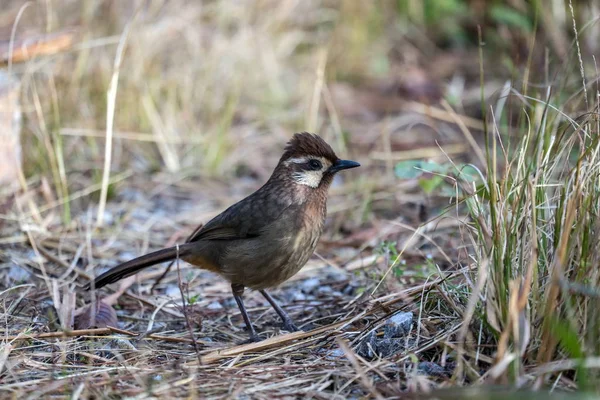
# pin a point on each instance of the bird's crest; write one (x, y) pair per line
(308, 144)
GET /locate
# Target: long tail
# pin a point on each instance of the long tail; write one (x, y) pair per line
(137, 264)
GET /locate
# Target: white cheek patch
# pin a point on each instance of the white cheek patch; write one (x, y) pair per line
(308, 178)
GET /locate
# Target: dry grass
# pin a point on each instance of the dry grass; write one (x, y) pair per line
(163, 113)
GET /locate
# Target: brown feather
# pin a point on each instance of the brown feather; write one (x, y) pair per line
(308, 144)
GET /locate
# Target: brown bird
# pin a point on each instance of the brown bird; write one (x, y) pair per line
(264, 239)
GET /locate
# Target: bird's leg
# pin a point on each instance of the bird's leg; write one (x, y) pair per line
(238, 291)
(288, 324)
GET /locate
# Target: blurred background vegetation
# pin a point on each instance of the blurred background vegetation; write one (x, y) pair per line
(205, 77)
(210, 90)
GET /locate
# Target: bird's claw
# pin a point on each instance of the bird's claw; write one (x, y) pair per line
(252, 339)
(289, 326)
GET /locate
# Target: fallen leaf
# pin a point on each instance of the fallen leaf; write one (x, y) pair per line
(99, 315)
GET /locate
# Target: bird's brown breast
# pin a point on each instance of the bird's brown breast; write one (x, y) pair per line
(278, 253)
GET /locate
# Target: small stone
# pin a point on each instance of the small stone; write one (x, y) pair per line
(325, 290)
(389, 347)
(128, 255)
(367, 345)
(215, 305)
(398, 325)
(349, 290)
(337, 276)
(16, 273)
(173, 291)
(299, 296)
(310, 284)
(334, 354)
(108, 218)
(431, 369)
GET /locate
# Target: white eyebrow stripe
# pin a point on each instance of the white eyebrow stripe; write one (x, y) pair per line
(299, 160)
(304, 160)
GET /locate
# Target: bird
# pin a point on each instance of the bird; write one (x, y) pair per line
(264, 239)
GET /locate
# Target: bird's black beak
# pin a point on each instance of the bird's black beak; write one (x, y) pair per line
(343, 164)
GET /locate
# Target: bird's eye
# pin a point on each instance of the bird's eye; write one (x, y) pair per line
(315, 164)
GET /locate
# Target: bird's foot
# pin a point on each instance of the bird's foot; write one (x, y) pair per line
(252, 339)
(289, 326)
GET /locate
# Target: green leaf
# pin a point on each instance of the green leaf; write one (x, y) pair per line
(398, 271)
(511, 17)
(570, 342)
(411, 169)
(193, 299)
(430, 184)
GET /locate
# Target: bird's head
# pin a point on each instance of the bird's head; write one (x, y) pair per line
(310, 162)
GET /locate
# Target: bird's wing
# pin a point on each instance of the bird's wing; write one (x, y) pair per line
(219, 232)
(245, 219)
